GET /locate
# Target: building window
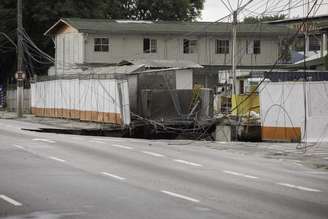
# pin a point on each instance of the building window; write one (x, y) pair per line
(150, 45)
(101, 44)
(253, 47)
(189, 46)
(257, 47)
(222, 47)
(241, 87)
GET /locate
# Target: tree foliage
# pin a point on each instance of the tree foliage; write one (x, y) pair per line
(254, 20)
(39, 15)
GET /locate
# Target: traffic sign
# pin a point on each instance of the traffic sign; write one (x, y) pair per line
(20, 76)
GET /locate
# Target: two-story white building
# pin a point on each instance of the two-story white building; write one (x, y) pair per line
(96, 42)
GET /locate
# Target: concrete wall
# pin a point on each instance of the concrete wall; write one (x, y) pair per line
(176, 105)
(157, 80)
(98, 100)
(165, 105)
(283, 113)
(11, 100)
(206, 77)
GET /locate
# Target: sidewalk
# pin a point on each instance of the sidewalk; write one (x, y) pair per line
(54, 122)
(311, 155)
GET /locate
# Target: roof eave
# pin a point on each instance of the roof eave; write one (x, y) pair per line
(62, 20)
(243, 34)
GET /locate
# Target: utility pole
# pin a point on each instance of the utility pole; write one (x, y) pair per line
(289, 8)
(234, 96)
(234, 49)
(20, 75)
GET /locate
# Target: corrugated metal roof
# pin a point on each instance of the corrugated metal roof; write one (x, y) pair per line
(200, 28)
(149, 63)
(320, 18)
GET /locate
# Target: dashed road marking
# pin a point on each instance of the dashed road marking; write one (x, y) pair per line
(240, 174)
(153, 154)
(141, 141)
(299, 164)
(299, 187)
(122, 146)
(180, 196)
(317, 172)
(44, 140)
(97, 141)
(113, 176)
(10, 200)
(19, 146)
(57, 159)
(113, 139)
(188, 163)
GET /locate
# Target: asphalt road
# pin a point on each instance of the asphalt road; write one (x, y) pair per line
(53, 176)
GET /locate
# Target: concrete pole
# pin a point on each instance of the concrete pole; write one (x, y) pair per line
(289, 9)
(20, 53)
(234, 51)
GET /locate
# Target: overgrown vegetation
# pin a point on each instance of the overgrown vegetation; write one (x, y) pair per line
(40, 15)
(254, 20)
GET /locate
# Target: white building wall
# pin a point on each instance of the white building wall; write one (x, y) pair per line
(282, 105)
(69, 50)
(128, 47)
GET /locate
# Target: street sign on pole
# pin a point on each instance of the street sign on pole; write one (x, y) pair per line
(20, 76)
(20, 53)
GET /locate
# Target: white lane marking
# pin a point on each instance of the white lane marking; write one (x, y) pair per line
(299, 187)
(10, 200)
(57, 159)
(141, 141)
(96, 141)
(116, 139)
(108, 139)
(44, 140)
(153, 154)
(180, 196)
(239, 174)
(317, 173)
(188, 163)
(19, 147)
(113, 176)
(299, 164)
(122, 146)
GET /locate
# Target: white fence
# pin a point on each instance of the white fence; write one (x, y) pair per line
(294, 111)
(96, 100)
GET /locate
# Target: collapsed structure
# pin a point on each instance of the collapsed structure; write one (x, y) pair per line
(169, 73)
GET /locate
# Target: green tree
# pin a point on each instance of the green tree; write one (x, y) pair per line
(254, 20)
(39, 15)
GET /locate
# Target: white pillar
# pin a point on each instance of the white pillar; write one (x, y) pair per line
(324, 44)
(307, 45)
